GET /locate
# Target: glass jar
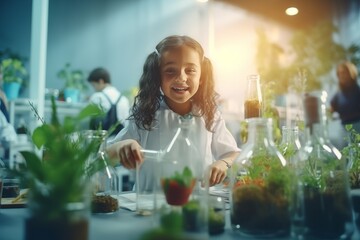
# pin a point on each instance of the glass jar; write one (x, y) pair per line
(183, 204)
(253, 97)
(259, 185)
(322, 206)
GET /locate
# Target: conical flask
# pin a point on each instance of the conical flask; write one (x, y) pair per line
(183, 184)
(322, 206)
(105, 181)
(259, 186)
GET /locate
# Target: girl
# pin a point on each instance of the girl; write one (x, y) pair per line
(177, 80)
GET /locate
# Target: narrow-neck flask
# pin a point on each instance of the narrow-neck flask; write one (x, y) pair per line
(105, 181)
(259, 186)
(183, 185)
(253, 97)
(290, 143)
(322, 206)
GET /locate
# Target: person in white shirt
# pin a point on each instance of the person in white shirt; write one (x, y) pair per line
(7, 135)
(100, 80)
(177, 81)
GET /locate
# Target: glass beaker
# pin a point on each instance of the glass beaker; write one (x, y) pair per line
(260, 185)
(145, 184)
(253, 97)
(216, 215)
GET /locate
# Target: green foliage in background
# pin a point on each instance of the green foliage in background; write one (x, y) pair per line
(352, 154)
(313, 52)
(13, 70)
(74, 78)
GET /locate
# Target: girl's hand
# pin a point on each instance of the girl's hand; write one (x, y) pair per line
(217, 172)
(127, 152)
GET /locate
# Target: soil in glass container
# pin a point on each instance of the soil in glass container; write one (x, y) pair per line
(326, 215)
(259, 211)
(252, 108)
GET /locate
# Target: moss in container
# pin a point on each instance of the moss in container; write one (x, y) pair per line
(216, 221)
(260, 206)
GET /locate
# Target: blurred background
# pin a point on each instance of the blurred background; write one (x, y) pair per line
(292, 53)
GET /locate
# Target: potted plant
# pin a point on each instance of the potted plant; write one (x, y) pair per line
(59, 183)
(178, 188)
(13, 74)
(74, 82)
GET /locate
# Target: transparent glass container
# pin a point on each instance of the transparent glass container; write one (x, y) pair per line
(322, 206)
(105, 181)
(183, 201)
(259, 186)
(217, 219)
(290, 143)
(145, 186)
(253, 97)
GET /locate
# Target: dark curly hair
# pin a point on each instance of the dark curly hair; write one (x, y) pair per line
(149, 97)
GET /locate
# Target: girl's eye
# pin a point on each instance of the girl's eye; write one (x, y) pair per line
(191, 70)
(170, 71)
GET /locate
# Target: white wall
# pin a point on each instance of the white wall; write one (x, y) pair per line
(117, 35)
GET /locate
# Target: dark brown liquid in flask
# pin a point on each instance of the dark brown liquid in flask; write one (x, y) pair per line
(252, 108)
(253, 99)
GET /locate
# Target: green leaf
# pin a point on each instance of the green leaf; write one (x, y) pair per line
(187, 176)
(39, 136)
(33, 163)
(90, 110)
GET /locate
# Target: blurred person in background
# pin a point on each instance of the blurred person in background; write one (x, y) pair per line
(4, 107)
(346, 101)
(106, 94)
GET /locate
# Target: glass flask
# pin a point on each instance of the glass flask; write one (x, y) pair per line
(259, 186)
(183, 202)
(253, 97)
(105, 181)
(322, 207)
(290, 143)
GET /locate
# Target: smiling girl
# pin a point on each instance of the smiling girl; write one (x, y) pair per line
(177, 80)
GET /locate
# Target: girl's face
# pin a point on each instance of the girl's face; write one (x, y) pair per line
(180, 70)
